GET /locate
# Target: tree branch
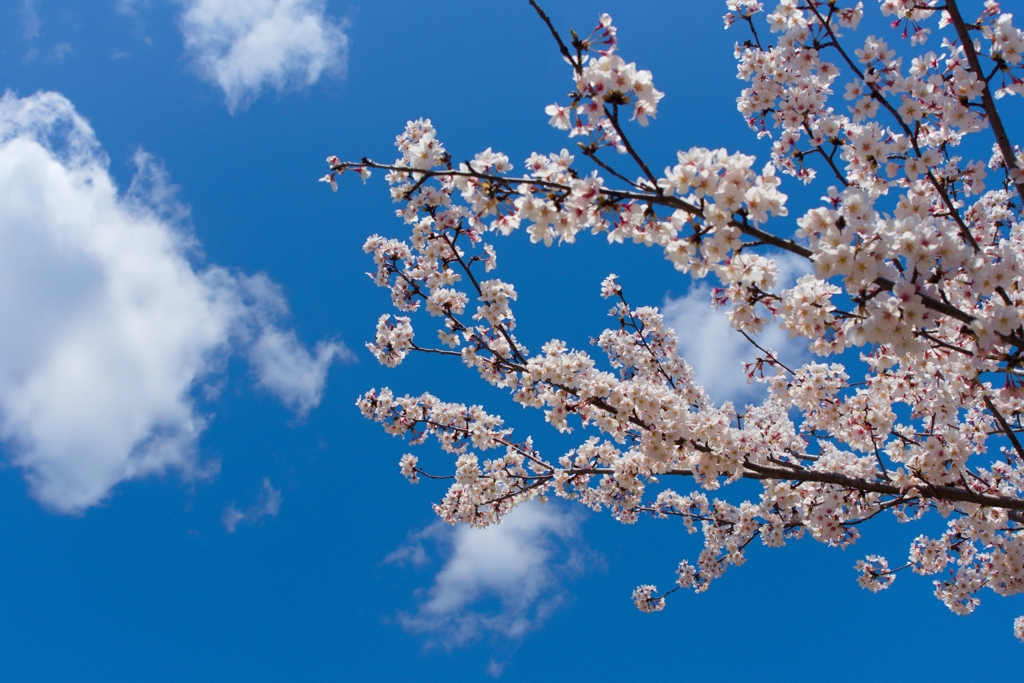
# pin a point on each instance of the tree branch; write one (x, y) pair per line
(1009, 158)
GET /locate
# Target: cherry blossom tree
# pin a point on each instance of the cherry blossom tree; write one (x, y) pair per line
(917, 253)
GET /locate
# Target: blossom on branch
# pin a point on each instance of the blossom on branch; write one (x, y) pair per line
(917, 254)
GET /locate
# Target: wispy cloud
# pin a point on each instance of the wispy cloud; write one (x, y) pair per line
(716, 351)
(60, 51)
(503, 580)
(247, 46)
(108, 325)
(29, 20)
(129, 7)
(284, 367)
(268, 502)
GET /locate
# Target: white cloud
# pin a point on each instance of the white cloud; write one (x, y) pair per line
(282, 364)
(716, 351)
(129, 7)
(504, 579)
(268, 502)
(413, 552)
(245, 46)
(108, 327)
(29, 20)
(60, 51)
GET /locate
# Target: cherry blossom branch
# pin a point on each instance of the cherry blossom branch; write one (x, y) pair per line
(613, 115)
(639, 327)
(932, 317)
(965, 232)
(926, 490)
(476, 285)
(885, 284)
(1002, 139)
(765, 472)
(827, 157)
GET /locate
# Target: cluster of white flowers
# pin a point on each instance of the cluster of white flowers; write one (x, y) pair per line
(918, 260)
(645, 599)
(604, 82)
(392, 341)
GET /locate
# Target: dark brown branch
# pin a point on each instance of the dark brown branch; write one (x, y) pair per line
(927, 491)
(442, 352)
(592, 155)
(614, 118)
(771, 356)
(1007, 429)
(561, 45)
(1009, 158)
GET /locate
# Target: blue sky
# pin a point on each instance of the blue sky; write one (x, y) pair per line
(189, 493)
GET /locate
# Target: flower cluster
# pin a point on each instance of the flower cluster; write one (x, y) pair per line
(917, 252)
